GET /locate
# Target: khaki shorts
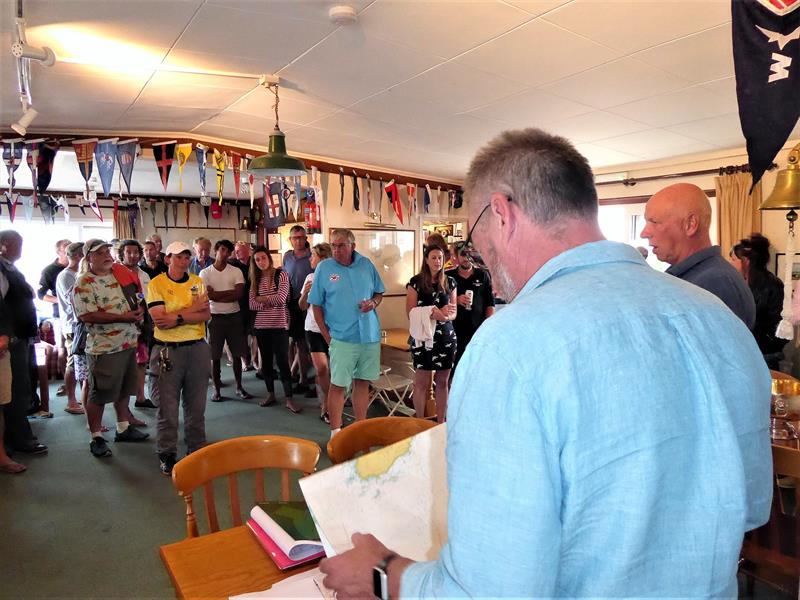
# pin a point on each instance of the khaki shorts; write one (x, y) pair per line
(5, 378)
(112, 376)
(70, 358)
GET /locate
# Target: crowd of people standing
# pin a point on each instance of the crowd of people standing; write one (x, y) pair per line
(140, 321)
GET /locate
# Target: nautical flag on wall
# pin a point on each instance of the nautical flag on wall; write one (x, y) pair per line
(12, 157)
(164, 154)
(411, 190)
(200, 154)
(394, 197)
(127, 151)
(356, 194)
(426, 198)
(311, 211)
(236, 161)
(32, 158)
(219, 162)
(106, 155)
(84, 153)
(766, 54)
(182, 153)
(276, 214)
(298, 190)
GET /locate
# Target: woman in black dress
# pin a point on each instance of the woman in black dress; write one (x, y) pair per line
(431, 287)
(750, 256)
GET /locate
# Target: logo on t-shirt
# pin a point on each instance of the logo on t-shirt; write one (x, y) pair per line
(334, 277)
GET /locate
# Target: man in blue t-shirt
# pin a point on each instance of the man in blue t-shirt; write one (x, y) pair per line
(346, 291)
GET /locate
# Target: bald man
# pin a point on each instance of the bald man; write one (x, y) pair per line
(678, 219)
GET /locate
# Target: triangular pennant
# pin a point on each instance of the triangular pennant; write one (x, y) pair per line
(12, 157)
(182, 153)
(394, 198)
(133, 215)
(105, 154)
(411, 190)
(200, 154)
(116, 208)
(187, 209)
(84, 154)
(237, 162)
(298, 190)
(367, 194)
(356, 193)
(127, 151)
(165, 203)
(47, 206)
(275, 215)
(766, 55)
(426, 198)
(32, 158)
(11, 201)
(311, 211)
(27, 206)
(164, 154)
(175, 212)
(153, 213)
(91, 198)
(341, 186)
(219, 162)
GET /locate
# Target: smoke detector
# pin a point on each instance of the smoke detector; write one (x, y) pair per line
(342, 14)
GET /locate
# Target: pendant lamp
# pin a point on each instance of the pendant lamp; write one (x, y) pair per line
(276, 162)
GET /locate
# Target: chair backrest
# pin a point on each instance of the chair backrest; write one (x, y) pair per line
(362, 436)
(783, 383)
(229, 457)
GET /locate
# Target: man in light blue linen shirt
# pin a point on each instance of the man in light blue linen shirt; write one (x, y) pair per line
(607, 434)
(346, 291)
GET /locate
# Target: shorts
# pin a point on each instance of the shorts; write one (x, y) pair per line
(112, 376)
(297, 322)
(227, 328)
(316, 343)
(354, 361)
(70, 359)
(80, 368)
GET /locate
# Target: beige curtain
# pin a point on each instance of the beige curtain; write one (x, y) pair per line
(738, 214)
(122, 225)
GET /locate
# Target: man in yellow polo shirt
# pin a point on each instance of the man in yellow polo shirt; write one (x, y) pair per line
(180, 357)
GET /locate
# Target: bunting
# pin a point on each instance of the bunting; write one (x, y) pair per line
(91, 197)
(368, 193)
(164, 155)
(251, 181)
(27, 206)
(63, 204)
(200, 154)
(47, 206)
(237, 161)
(313, 224)
(32, 158)
(319, 197)
(275, 215)
(127, 151)
(11, 201)
(426, 198)
(105, 153)
(219, 162)
(182, 153)
(394, 197)
(286, 193)
(12, 157)
(411, 190)
(84, 153)
(298, 190)
(341, 186)
(187, 209)
(356, 196)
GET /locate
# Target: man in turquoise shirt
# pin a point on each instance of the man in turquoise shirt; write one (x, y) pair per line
(607, 434)
(346, 291)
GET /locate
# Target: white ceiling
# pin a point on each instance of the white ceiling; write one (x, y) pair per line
(415, 85)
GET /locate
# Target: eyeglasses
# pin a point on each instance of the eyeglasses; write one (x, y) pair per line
(342, 245)
(467, 245)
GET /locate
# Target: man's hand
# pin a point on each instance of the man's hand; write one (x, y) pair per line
(350, 574)
(462, 300)
(367, 305)
(133, 316)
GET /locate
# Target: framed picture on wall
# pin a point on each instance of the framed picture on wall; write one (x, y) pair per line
(780, 265)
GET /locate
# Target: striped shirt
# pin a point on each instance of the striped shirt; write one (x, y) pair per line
(272, 314)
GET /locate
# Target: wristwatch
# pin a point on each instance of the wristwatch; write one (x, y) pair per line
(380, 577)
(180, 320)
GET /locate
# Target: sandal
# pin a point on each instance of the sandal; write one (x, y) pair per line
(268, 401)
(293, 408)
(216, 398)
(75, 410)
(42, 414)
(325, 417)
(243, 394)
(12, 468)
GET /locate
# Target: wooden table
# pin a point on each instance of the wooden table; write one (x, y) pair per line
(222, 564)
(396, 338)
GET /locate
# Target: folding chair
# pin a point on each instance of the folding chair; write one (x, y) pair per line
(391, 385)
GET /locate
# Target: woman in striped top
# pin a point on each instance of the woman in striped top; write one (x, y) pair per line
(269, 293)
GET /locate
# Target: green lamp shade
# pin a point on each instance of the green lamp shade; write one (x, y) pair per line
(276, 163)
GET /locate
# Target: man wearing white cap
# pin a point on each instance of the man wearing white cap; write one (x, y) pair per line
(180, 358)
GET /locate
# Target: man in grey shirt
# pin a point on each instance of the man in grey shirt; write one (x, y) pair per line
(678, 219)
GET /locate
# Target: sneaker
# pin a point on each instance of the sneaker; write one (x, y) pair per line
(99, 448)
(166, 463)
(131, 435)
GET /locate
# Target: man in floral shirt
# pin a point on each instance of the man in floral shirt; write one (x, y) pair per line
(110, 344)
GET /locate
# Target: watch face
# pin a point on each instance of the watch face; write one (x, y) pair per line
(380, 583)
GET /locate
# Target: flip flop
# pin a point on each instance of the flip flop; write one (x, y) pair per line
(13, 468)
(296, 411)
(243, 394)
(75, 410)
(267, 402)
(42, 414)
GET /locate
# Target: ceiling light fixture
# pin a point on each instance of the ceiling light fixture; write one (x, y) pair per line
(21, 126)
(276, 162)
(24, 53)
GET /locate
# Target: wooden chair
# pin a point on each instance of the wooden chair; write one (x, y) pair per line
(362, 436)
(230, 457)
(771, 553)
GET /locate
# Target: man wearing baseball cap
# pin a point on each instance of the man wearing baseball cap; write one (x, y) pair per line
(180, 358)
(111, 337)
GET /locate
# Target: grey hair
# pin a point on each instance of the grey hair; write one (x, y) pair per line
(543, 173)
(197, 240)
(342, 233)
